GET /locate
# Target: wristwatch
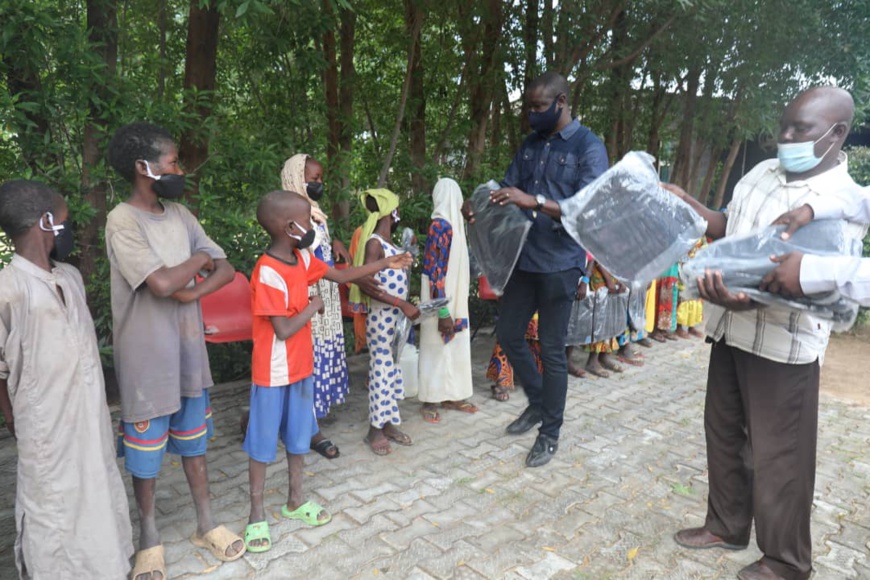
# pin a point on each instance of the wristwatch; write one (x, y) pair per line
(541, 201)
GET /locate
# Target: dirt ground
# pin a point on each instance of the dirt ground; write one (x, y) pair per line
(846, 372)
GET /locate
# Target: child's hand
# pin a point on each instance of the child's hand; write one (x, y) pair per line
(446, 327)
(411, 311)
(184, 295)
(400, 261)
(316, 302)
(208, 266)
(582, 289)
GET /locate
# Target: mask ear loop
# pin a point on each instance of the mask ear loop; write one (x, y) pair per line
(828, 150)
(51, 226)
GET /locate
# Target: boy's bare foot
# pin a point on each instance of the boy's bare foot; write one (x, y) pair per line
(609, 363)
(682, 332)
(696, 333)
(593, 367)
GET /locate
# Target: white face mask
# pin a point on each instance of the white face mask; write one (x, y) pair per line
(801, 157)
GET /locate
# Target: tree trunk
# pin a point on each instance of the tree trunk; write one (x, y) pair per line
(24, 84)
(483, 87)
(547, 21)
(715, 153)
(403, 101)
(414, 16)
(330, 85)
(346, 83)
(200, 67)
(726, 172)
(530, 41)
(103, 37)
(683, 157)
(161, 44)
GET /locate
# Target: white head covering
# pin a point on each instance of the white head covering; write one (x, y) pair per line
(447, 199)
(293, 179)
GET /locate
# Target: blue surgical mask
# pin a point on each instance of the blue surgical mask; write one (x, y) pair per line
(801, 157)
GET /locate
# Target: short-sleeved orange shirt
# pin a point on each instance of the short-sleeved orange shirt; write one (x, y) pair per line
(281, 289)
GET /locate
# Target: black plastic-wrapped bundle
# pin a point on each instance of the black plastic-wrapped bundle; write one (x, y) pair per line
(610, 314)
(745, 260)
(497, 236)
(581, 323)
(633, 227)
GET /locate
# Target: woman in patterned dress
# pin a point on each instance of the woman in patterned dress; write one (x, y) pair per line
(385, 308)
(304, 175)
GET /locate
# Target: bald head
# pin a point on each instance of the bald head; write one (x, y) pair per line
(830, 103)
(278, 208)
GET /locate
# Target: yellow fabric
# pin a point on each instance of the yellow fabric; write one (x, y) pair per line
(650, 309)
(387, 202)
(690, 313)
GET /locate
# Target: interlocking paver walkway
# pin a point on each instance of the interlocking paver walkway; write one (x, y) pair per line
(631, 469)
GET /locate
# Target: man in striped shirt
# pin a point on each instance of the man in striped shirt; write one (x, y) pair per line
(761, 411)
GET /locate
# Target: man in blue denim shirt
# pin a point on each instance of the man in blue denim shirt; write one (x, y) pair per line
(558, 159)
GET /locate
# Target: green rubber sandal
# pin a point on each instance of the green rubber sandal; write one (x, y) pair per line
(258, 531)
(309, 512)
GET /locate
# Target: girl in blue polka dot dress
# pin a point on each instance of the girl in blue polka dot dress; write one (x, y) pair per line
(386, 307)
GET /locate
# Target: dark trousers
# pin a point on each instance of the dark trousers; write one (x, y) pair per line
(761, 421)
(551, 295)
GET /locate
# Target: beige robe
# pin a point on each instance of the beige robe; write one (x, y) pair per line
(71, 511)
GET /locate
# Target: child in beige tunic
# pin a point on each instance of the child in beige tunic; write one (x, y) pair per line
(71, 510)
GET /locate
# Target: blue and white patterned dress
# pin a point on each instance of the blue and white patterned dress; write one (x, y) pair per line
(386, 386)
(330, 359)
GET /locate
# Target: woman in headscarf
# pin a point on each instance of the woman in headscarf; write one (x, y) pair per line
(302, 174)
(385, 304)
(445, 342)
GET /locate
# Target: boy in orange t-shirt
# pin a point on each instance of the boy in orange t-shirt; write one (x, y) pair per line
(282, 394)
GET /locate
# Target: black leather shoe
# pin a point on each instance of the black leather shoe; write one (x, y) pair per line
(542, 452)
(526, 421)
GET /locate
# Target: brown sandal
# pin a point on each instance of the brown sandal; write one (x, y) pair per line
(463, 406)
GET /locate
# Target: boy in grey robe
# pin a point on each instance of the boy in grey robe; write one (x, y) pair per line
(71, 510)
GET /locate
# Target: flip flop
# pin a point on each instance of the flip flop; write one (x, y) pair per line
(218, 541)
(430, 415)
(645, 342)
(598, 373)
(463, 406)
(398, 437)
(309, 512)
(381, 448)
(500, 393)
(671, 336)
(149, 561)
(258, 531)
(634, 361)
(658, 337)
(323, 446)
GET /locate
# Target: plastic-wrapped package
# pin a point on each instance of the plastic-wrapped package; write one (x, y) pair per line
(633, 227)
(409, 243)
(745, 260)
(610, 314)
(637, 307)
(403, 325)
(581, 324)
(497, 236)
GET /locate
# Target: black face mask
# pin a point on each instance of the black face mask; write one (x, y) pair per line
(166, 186)
(64, 242)
(64, 238)
(305, 240)
(314, 190)
(544, 122)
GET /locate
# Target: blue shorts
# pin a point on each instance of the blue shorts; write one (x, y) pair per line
(286, 412)
(185, 433)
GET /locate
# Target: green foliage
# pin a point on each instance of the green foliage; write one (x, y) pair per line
(270, 97)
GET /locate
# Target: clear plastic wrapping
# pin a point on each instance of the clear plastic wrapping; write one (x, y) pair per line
(637, 307)
(581, 324)
(403, 325)
(497, 236)
(610, 314)
(745, 260)
(633, 227)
